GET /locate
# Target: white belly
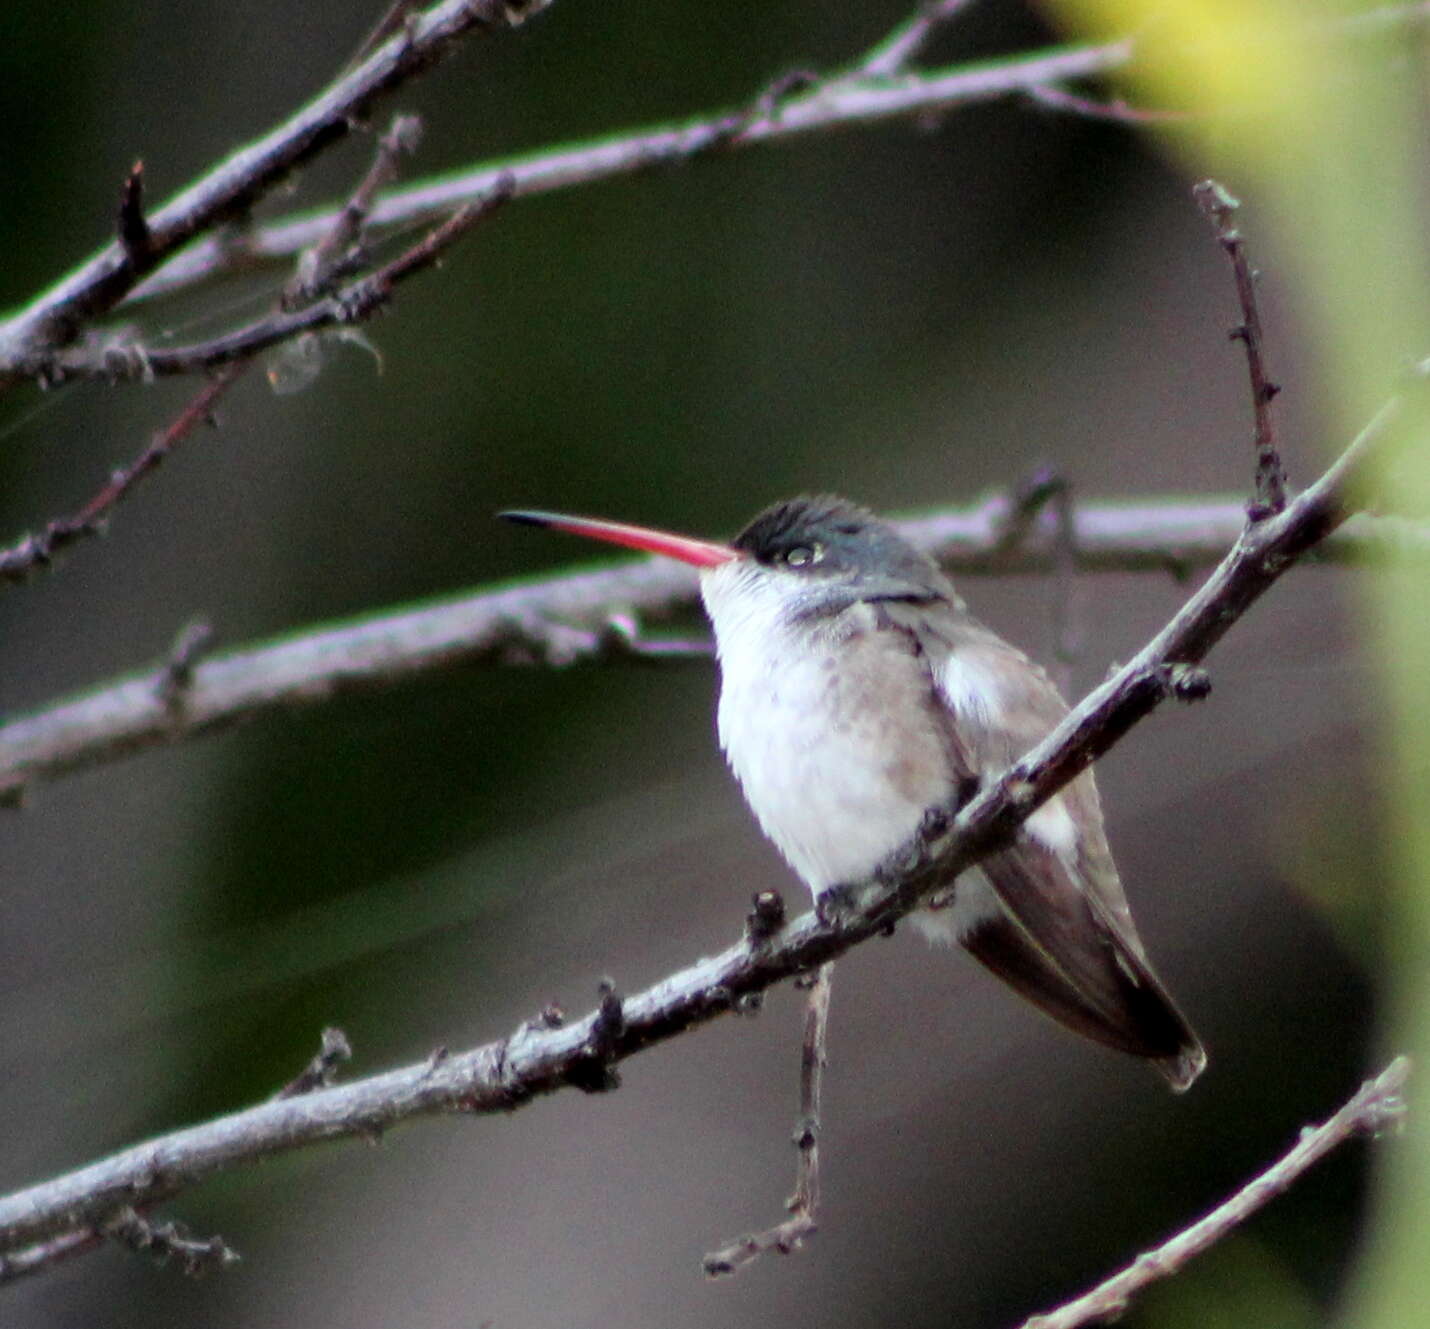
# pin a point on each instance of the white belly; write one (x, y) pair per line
(808, 732)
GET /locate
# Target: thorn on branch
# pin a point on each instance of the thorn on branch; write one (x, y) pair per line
(398, 17)
(134, 234)
(322, 1071)
(170, 1241)
(593, 1071)
(766, 917)
(194, 641)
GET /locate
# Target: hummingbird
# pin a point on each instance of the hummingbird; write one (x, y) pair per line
(857, 693)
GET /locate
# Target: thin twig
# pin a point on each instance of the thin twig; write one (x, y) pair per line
(318, 266)
(354, 303)
(29, 337)
(830, 103)
(169, 1241)
(560, 620)
(903, 46)
(534, 1061)
(1221, 208)
(41, 1256)
(1042, 492)
(397, 17)
(833, 102)
(322, 1071)
(1378, 1104)
(1067, 621)
(134, 236)
(1053, 98)
(802, 1205)
(34, 552)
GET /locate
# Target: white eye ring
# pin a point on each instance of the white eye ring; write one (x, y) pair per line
(802, 556)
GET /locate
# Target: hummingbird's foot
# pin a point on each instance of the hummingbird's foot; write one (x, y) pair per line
(837, 906)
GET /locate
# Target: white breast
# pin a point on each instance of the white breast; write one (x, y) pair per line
(805, 721)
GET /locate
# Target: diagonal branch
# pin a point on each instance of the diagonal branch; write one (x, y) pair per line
(842, 99)
(1220, 207)
(903, 46)
(538, 1059)
(354, 303)
(57, 316)
(590, 614)
(33, 552)
(827, 103)
(1377, 1104)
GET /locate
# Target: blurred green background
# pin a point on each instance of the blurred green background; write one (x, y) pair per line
(909, 315)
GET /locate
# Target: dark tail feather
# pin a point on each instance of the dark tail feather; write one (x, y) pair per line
(1113, 998)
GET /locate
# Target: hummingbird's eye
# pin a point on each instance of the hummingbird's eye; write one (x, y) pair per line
(802, 556)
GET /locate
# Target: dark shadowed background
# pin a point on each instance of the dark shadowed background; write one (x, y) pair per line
(908, 315)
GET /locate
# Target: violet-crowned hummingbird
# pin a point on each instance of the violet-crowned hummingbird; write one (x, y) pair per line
(857, 692)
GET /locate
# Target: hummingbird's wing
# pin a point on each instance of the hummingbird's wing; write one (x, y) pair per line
(1062, 935)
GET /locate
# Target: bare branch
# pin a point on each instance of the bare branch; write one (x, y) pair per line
(787, 1236)
(825, 104)
(169, 1241)
(903, 46)
(100, 283)
(1116, 110)
(34, 552)
(839, 100)
(318, 266)
(560, 620)
(1377, 1105)
(538, 1060)
(352, 304)
(1221, 207)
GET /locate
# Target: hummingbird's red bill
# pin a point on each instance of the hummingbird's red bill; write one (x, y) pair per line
(686, 548)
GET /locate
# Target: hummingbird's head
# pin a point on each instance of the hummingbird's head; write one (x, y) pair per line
(829, 540)
(797, 560)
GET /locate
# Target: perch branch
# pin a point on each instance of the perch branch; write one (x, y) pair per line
(1378, 1104)
(590, 614)
(29, 337)
(537, 1059)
